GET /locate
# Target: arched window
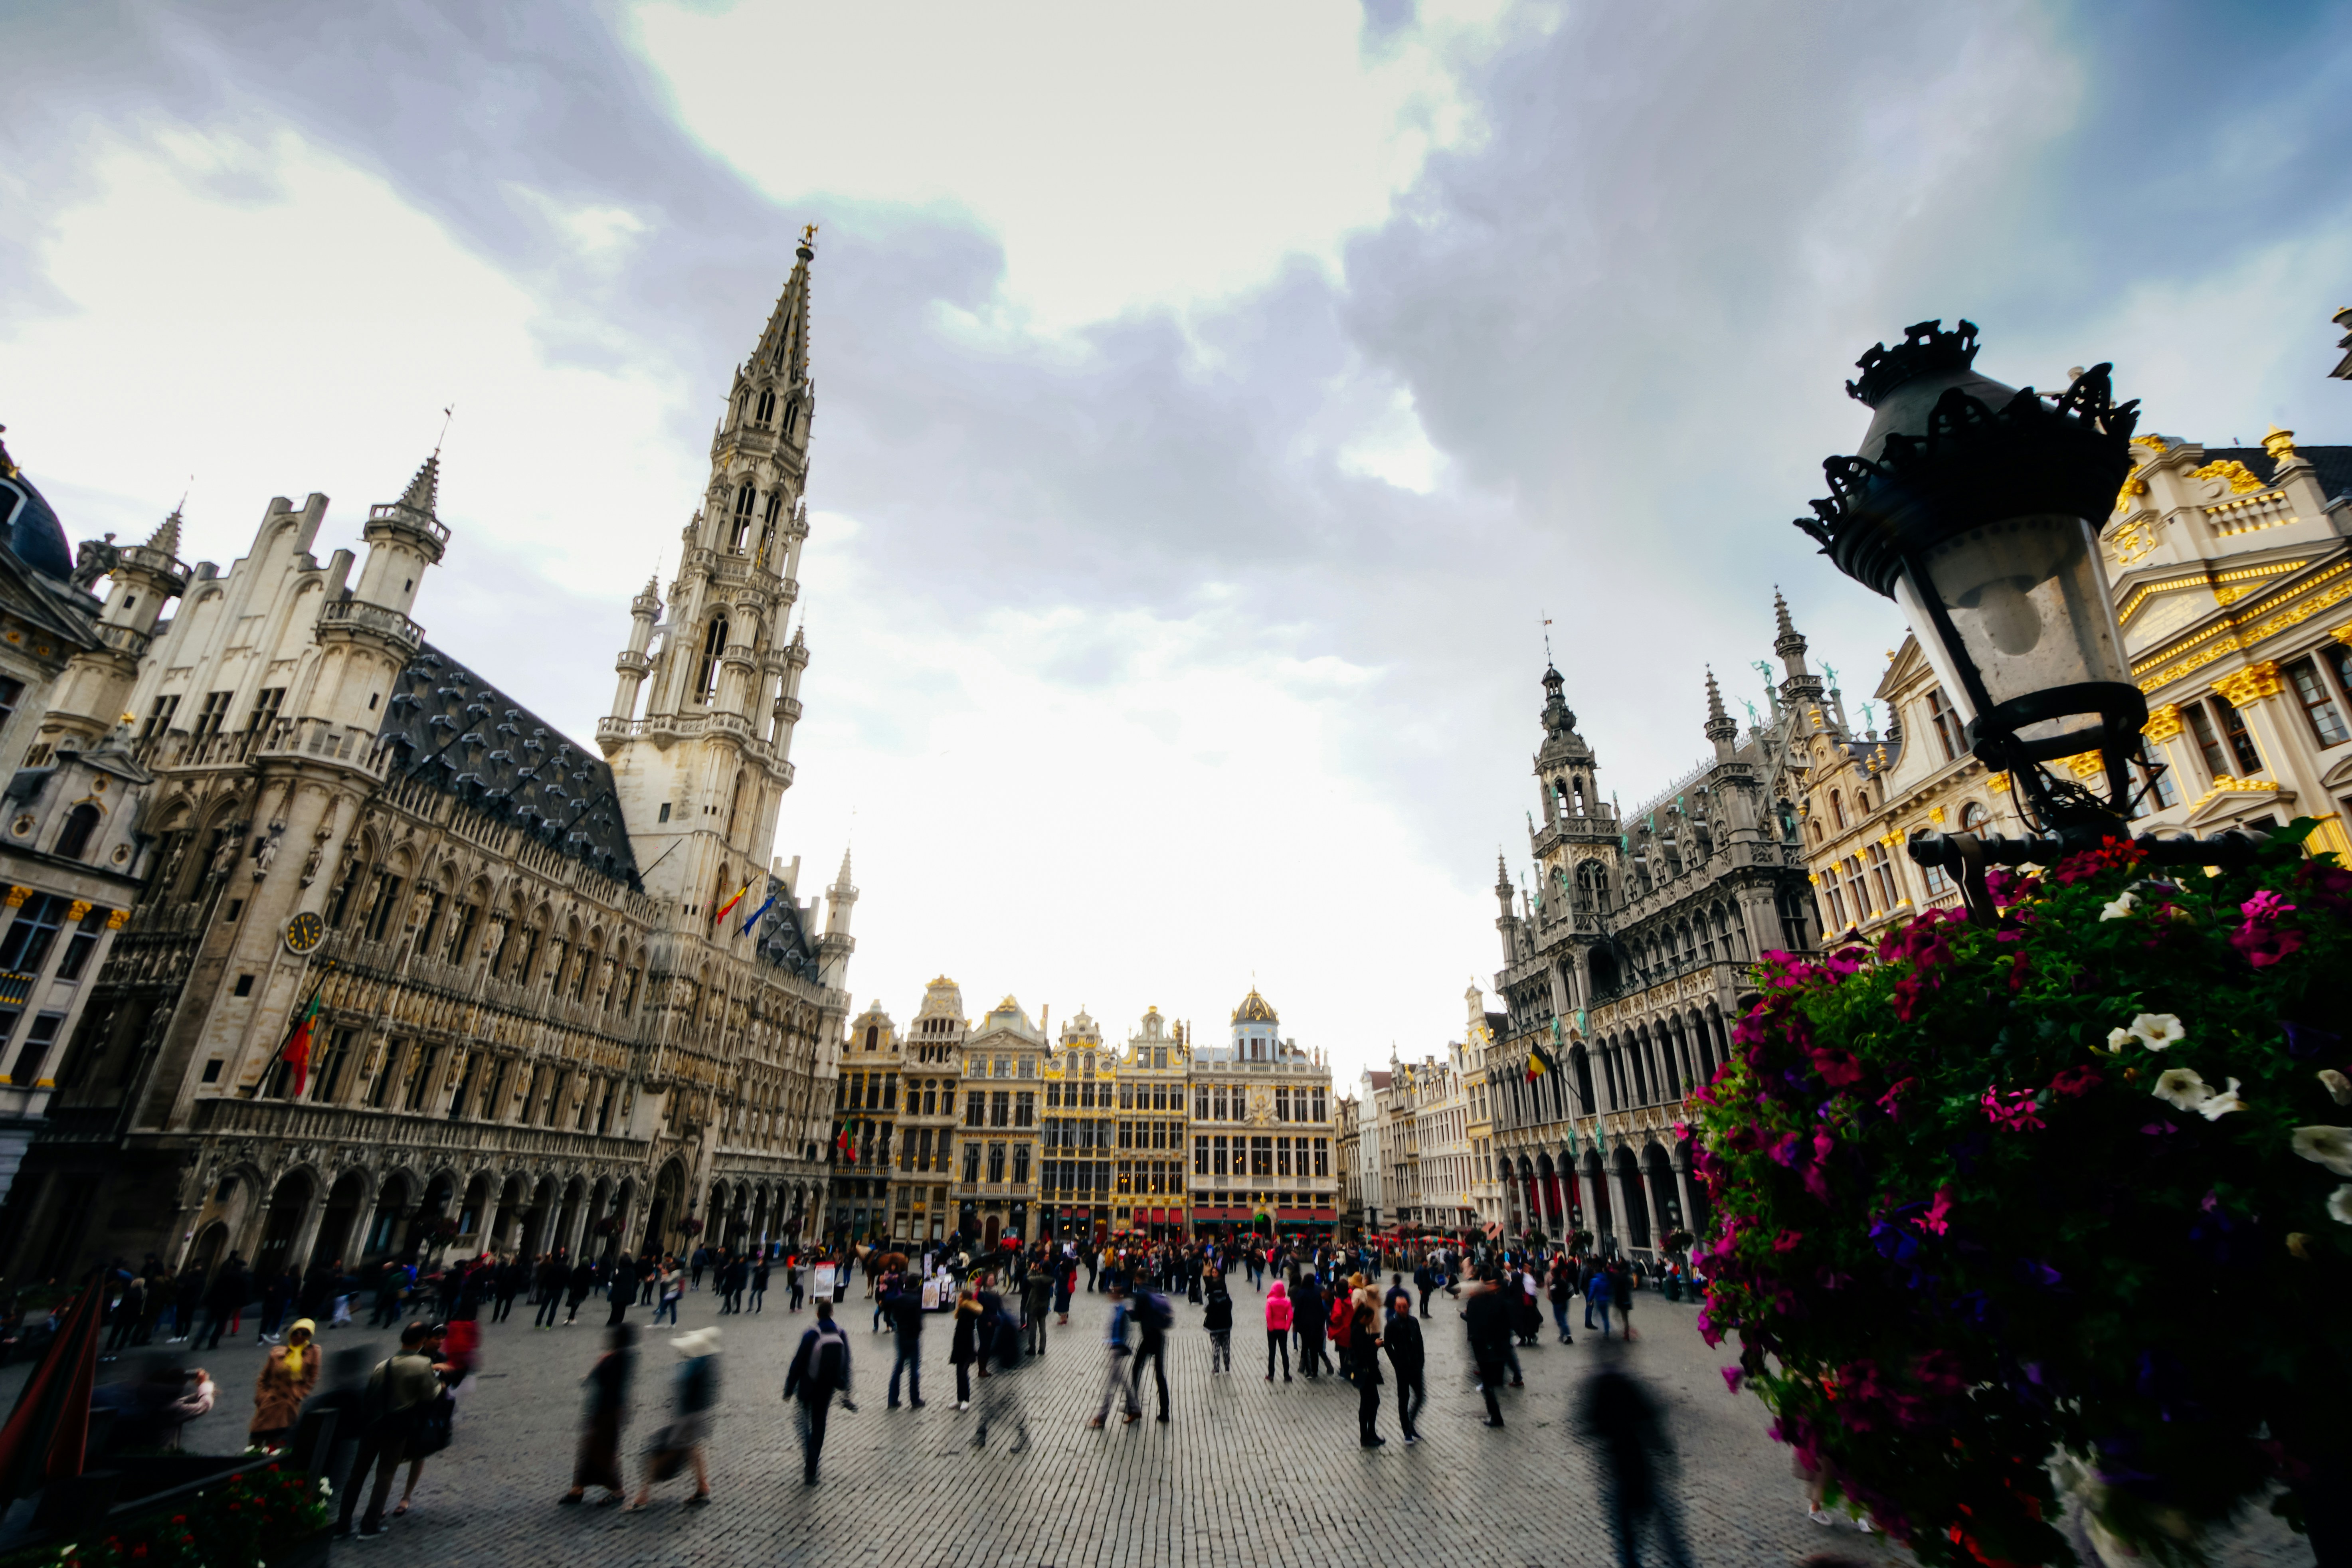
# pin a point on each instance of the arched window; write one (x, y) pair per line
(767, 406)
(706, 681)
(1837, 810)
(1860, 804)
(1972, 817)
(741, 534)
(74, 841)
(1817, 833)
(873, 1037)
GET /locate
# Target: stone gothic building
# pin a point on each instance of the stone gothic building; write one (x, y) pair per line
(1626, 963)
(563, 999)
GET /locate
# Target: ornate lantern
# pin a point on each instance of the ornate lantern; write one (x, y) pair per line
(1976, 508)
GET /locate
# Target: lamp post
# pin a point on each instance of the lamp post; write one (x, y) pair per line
(1976, 508)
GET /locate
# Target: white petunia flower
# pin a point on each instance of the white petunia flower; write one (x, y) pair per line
(2221, 1104)
(2157, 1030)
(2340, 1204)
(2124, 904)
(2182, 1086)
(2328, 1146)
(2118, 1039)
(2337, 1085)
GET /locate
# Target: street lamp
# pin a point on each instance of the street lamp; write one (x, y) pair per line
(1976, 508)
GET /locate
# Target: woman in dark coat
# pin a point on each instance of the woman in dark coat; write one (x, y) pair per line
(598, 1462)
(965, 1348)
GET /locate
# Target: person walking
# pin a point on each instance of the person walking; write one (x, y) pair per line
(760, 1284)
(903, 1298)
(582, 1281)
(288, 1372)
(963, 1349)
(1036, 1300)
(1598, 1297)
(620, 1289)
(820, 1368)
(1217, 1318)
(398, 1391)
(598, 1462)
(550, 1276)
(1620, 1296)
(695, 1394)
(1115, 1345)
(224, 1300)
(1065, 1279)
(1278, 1317)
(1155, 1316)
(673, 1289)
(1401, 1340)
(1361, 1353)
(186, 1300)
(793, 1283)
(1562, 1291)
(1486, 1319)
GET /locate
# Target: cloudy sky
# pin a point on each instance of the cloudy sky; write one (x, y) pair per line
(1213, 401)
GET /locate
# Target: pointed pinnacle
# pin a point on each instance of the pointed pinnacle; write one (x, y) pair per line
(1782, 624)
(426, 488)
(166, 537)
(1713, 695)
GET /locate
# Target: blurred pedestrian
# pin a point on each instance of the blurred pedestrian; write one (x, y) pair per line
(1278, 1328)
(598, 1462)
(1401, 1340)
(694, 1395)
(1217, 1320)
(1616, 1416)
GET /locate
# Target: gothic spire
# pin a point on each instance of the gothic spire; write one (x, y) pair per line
(166, 537)
(784, 343)
(1790, 642)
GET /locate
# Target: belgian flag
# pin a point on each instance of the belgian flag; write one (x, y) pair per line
(1539, 1062)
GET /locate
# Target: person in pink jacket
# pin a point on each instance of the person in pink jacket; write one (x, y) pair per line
(1277, 1328)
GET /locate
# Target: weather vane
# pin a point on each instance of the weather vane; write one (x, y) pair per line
(1546, 636)
(447, 414)
(808, 235)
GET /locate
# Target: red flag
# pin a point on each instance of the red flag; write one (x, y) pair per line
(296, 1053)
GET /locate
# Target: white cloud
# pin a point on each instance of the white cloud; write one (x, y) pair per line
(1124, 155)
(305, 334)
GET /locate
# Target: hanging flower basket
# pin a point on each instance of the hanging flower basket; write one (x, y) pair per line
(445, 1229)
(690, 1226)
(2070, 1189)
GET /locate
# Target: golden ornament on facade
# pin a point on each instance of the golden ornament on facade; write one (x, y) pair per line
(2256, 680)
(2241, 479)
(2279, 443)
(2163, 723)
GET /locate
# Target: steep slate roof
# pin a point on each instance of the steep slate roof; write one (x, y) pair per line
(458, 732)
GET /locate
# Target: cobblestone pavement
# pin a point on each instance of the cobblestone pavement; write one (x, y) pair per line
(1244, 1473)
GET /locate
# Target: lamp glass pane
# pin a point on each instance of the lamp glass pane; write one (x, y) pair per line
(2030, 604)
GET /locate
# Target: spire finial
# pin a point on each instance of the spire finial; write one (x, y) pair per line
(1782, 623)
(1546, 636)
(448, 414)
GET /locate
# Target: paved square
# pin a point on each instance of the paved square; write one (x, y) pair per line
(1244, 1472)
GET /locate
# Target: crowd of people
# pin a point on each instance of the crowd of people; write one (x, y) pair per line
(1358, 1313)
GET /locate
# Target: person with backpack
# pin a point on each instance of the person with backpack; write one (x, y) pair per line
(1401, 1340)
(1562, 1291)
(696, 1395)
(1218, 1320)
(398, 1390)
(820, 1368)
(1115, 1344)
(1156, 1316)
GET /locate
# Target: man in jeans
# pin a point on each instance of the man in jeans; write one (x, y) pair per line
(903, 1300)
(398, 1391)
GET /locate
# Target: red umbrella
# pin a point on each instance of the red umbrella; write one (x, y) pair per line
(48, 1432)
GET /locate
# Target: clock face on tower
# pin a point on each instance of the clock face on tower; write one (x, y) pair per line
(304, 932)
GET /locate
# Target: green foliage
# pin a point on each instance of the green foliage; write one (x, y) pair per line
(254, 1521)
(1992, 1194)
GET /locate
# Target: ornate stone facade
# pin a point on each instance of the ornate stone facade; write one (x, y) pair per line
(563, 1000)
(1626, 963)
